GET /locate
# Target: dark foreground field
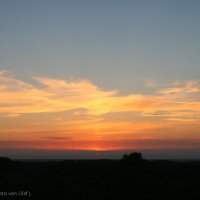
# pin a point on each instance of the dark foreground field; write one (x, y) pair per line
(99, 180)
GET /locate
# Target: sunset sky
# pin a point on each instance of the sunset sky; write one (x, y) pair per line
(99, 76)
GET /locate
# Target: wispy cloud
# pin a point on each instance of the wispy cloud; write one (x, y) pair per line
(151, 83)
(179, 101)
(77, 114)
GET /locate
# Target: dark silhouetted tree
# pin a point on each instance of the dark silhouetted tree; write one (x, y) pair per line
(135, 156)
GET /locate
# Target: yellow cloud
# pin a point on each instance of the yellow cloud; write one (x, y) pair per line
(188, 86)
(77, 114)
(55, 95)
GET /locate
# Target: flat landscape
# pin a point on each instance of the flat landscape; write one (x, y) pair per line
(100, 179)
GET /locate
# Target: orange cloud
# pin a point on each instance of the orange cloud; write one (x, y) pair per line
(78, 114)
(53, 95)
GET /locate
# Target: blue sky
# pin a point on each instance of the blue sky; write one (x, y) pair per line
(114, 44)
